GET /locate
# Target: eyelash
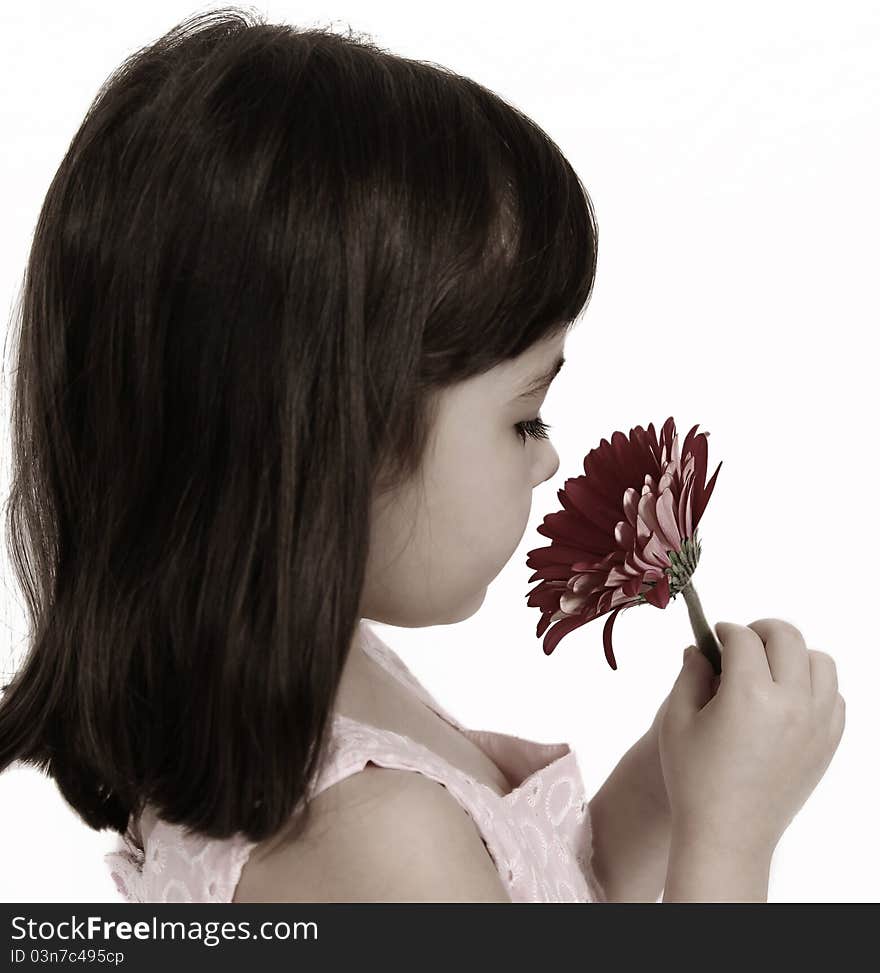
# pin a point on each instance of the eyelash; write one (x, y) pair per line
(532, 428)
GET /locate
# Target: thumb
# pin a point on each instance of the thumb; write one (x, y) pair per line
(693, 688)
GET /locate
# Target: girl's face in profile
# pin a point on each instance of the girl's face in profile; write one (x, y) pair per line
(433, 552)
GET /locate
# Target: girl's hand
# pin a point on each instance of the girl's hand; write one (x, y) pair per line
(632, 822)
(650, 747)
(739, 763)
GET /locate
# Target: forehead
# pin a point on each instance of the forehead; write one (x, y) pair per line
(534, 363)
(504, 383)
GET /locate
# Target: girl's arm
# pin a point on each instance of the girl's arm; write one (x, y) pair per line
(632, 827)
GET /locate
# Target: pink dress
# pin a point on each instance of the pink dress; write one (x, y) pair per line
(538, 835)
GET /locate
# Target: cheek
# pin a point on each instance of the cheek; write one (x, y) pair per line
(497, 476)
(480, 492)
(497, 507)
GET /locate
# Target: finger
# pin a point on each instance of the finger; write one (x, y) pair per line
(742, 655)
(838, 718)
(786, 652)
(691, 690)
(823, 675)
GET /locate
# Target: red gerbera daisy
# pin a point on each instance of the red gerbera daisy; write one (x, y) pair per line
(627, 535)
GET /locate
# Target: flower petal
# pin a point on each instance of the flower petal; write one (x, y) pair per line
(606, 638)
(561, 629)
(638, 503)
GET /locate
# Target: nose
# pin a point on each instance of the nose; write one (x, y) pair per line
(549, 462)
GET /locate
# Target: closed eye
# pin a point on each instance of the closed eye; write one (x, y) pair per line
(532, 428)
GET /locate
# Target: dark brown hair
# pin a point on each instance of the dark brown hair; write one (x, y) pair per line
(264, 252)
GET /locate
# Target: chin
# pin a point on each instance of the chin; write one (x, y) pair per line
(473, 604)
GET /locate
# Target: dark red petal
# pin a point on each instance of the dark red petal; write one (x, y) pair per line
(573, 529)
(555, 572)
(591, 505)
(543, 623)
(606, 637)
(658, 596)
(542, 557)
(561, 629)
(545, 597)
(705, 494)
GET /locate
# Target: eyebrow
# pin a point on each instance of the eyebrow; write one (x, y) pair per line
(542, 382)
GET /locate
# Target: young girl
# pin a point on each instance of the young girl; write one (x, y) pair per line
(284, 298)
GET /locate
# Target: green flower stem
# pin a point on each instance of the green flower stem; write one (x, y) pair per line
(707, 642)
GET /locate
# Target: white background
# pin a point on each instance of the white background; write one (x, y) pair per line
(732, 156)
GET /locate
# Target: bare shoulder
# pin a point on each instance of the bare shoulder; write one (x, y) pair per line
(380, 835)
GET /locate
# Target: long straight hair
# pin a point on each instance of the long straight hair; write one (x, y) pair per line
(264, 253)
